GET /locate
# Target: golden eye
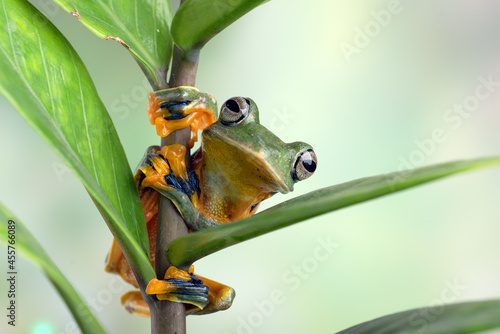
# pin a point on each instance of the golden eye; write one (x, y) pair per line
(305, 165)
(234, 110)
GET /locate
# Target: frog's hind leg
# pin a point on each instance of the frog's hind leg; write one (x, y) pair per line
(201, 295)
(181, 287)
(133, 302)
(113, 258)
(220, 298)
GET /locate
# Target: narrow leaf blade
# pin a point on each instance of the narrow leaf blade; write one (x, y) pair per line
(140, 26)
(211, 17)
(23, 241)
(463, 318)
(189, 248)
(46, 81)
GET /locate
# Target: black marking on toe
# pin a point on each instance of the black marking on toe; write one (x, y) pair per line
(189, 288)
(173, 104)
(141, 178)
(187, 187)
(194, 181)
(172, 181)
(148, 162)
(174, 117)
(164, 159)
(196, 280)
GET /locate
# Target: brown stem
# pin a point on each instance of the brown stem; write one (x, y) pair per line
(168, 317)
(184, 67)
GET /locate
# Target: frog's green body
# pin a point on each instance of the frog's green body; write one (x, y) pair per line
(239, 164)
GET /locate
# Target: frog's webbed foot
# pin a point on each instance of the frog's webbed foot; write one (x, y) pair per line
(180, 107)
(202, 295)
(220, 298)
(164, 170)
(181, 287)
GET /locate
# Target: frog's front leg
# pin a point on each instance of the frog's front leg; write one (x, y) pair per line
(177, 108)
(164, 170)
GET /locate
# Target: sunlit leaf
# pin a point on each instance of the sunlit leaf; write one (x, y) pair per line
(211, 17)
(189, 248)
(46, 81)
(140, 26)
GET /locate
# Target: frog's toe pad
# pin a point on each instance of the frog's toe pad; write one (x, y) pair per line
(219, 301)
(226, 299)
(187, 290)
(221, 297)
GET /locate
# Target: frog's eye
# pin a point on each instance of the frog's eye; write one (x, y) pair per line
(305, 165)
(234, 110)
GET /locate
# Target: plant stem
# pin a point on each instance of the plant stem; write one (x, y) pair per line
(168, 317)
(184, 67)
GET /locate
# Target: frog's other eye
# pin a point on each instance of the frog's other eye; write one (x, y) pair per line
(305, 165)
(234, 111)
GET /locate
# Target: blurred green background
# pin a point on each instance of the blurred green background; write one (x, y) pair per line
(372, 112)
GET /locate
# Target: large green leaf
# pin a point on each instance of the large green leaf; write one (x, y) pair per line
(19, 240)
(140, 26)
(187, 249)
(211, 17)
(46, 81)
(463, 318)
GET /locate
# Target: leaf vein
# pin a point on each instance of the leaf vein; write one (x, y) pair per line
(49, 86)
(119, 24)
(84, 113)
(10, 35)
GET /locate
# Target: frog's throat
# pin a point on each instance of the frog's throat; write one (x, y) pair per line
(231, 192)
(257, 158)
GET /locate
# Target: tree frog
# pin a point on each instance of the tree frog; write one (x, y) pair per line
(240, 163)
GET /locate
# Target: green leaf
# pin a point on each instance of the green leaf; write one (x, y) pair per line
(463, 318)
(140, 26)
(19, 239)
(187, 249)
(211, 17)
(46, 81)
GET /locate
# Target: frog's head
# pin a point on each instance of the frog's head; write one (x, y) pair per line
(246, 161)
